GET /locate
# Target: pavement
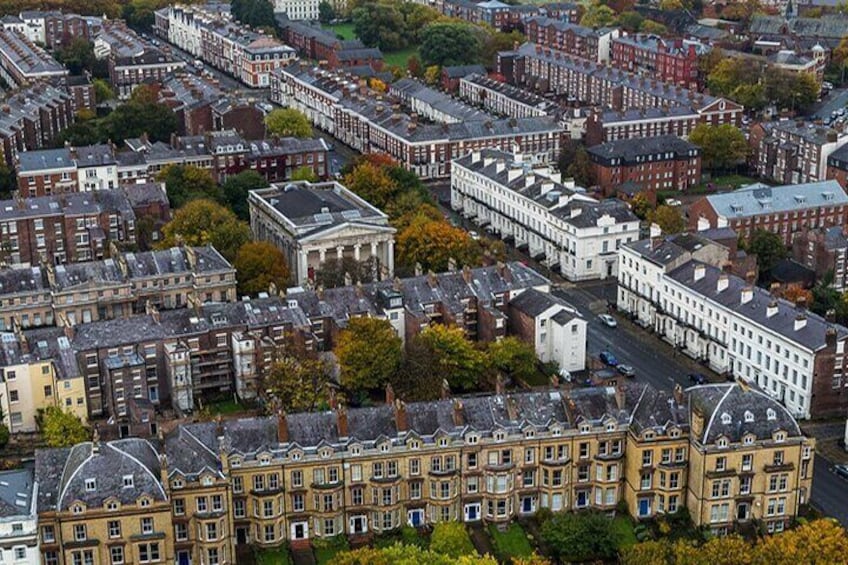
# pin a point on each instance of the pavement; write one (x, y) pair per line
(833, 101)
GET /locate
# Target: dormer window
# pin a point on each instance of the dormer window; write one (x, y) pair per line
(648, 435)
(675, 433)
(206, 481)
(443, 442)
(585, 428)
(384, 447)
(296, 455)
(780, 436)
(722, 442)
(355, 450)
(144, 502)
(748, 439)
(771, 414)
(111, 505)
(611, 426)
(556, 432)
(77, 509)
(178, 483)
(325, 453)
(749, 416)
(264, 460)
(499, 436)
(529, 434)
(414, 444)
(472, 439)
(235, 462)
(726, 419)
(128, 481)
(90, 485)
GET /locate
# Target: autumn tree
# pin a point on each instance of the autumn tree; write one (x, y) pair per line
(512, 358)
(432, 243)
(668, 218)
(640, 205)
(580, 168)
(306, 173)
(204, 222)
(451, 539)
(457, 360)
(236, 190)
(416, 380)
(369, 353)
(414, 66)
(187, 182)
(372, 183)
(298, 380)
(288, 122)
(768, 247)
(652, 27)
(62, 429)
(432, 75)
(722, 147)
(258, 264)
(798, 295)
(820, 541)
(597, 15)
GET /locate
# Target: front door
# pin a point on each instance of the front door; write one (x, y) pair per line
(472, 512)
(415, 518)
(644, 507)
(241, 535)
(527, 504)
(183, 557)
(742, 512)
(299, 530)
(358, 525)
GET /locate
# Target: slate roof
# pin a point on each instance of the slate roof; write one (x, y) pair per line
(760, 199)
(513, 92)
(44, 159)
(588, 213)
(62, 473)
(811, 336)
(533, 302)
(459, 71)
(29, 58)
(716, 400)
(659, 410)
(75, 203)
(635, 150)
(408, 89)
(16, 491)
(835, 238)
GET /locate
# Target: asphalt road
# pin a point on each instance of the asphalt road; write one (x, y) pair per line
(835, 100)
(654, 361)
(830, 491)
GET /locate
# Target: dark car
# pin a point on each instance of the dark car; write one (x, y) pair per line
(697, 378)
(626, 370)
(841, 470)
(608, 358)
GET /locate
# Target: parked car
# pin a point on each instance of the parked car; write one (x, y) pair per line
(474, 235)
(841, 470)
(608, 358)
(697, 378)
(608, 320)
(673, 202)
(626, 370)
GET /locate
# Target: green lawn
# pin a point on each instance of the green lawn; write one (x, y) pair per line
(344, 29)
(623, 526)
(399, 58)
(226, 407)
(511, 543)
(273, 557)
(728, 182)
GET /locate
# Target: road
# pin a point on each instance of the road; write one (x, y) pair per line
(830, 491)
(654, 361)
(835, 100)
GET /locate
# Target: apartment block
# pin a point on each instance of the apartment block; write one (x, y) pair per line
(653, 163)
(433, 105)
(31, 118)
(298, 478)
(556, 223)
(18, 517)
(297, 9)
(23, 63)
(314, 42)
(312, 223)
(674, 61)
(825, 251)
(782, 210)
(742, 331)
(504, 99)
(127, 73)
(578, 41)
(793, 152)
(604, 126)
(356, 116)
(76, 226)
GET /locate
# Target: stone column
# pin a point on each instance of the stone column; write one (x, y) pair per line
(356, 249)
(390, 256)
(322, 254)
(302, 265)
(340, 252)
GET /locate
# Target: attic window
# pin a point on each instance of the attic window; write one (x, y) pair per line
(674, 433)
(611, 426)
(443, 442)
(325, 453)
(264, 460)
(384, 448)
(556, 432)
(355, 450)
(77, 509)
(128, 481)
(111, 505)
(414, 444)
(499, 436)
(771, 414)
(295, 456)
(749, 416)
(144, 502)
(585, 428)
(779, 436)
(90, 485)
(235, 462)
(648, 435)
(529, 434)
(748, 439)
(722, 442)
(472, 439)
(726, 419)
(206, 481)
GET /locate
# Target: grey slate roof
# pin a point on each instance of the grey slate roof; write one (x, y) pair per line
(459, 71)
(811, 336)
(408, 89)
(715, 400)
(636, 150)
(16, 490)
(659, 410)
(591, 212)
(760, 199)
(533, 302)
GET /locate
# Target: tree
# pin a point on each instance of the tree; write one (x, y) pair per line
(671, 5)
(326, 12)
(457, 361)
(652, 27)
(449, 44)
(640, 205)
(432, 243)
(668, 218)
(306, 173)
(258, 264)
(297, 381)
(497, 42)
(372, 183)
(820, 541)
(798, 295)
(722, 146)
(204, 222)
(402, 554)
(414, 66)
(380, 25)
(580, 537)
(62, 429)
(237, 188)
(288, 122)
(513, 358)
(416, 380)
(77, 56)
(334, 272)
(768, 247)
(7, 181)
(580, 168)
(4, 431)
(432, 75)
(630, 20)
(451, 539)
(369, 353)
(102, 90)
(255, 13)
(187, 182)
(598, 15)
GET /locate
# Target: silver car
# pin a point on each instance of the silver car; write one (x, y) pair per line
(608, 321)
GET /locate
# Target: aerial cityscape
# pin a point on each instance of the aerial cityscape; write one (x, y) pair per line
(426, 282)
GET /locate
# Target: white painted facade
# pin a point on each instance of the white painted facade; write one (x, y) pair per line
(297, 9)
(18, 528)
(561, 341)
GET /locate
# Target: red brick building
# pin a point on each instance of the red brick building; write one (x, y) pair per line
(670, 60)
(782, 210)
(572, 39)
(655, 163)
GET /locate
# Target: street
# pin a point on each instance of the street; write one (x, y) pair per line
(835, 100)
(830, 491)
(654, 361)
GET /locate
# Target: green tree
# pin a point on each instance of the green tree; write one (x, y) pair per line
(513, 358)
(4, 431)
(237, 188)
(668, 218)
(586, 536)
(288, 122)
(204, 222)
(497, 42)
(255, 13)
(139, 14)
(380, 25)
(432, 75)
(457, 360)
(630, 20)
(652, 27)
(598, 15)
(77, 56)
(187, 182)
(416, 380)
(102, 90)
(62, 429)
(451, 539)
(306, 173)
(369, 353)
(298, 380)
(768, 247)
(580, 168)
(326, 12)
(258, 264)
(449, 44)
(7, 181)
(722, 147)
(401, 554)
(333, 272)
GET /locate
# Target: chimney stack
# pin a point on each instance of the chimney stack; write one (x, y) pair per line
(723, 281)
(445, 393)
(341, 418)
(771, 309)
(700, 272)
(401, 420)
(747, 295)
(390, 394)
(800, 322)
(467, 274)
(619, 397)
(95, 440)
(458, 418)
(282, 427)
(500, 389)
(679, 396)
